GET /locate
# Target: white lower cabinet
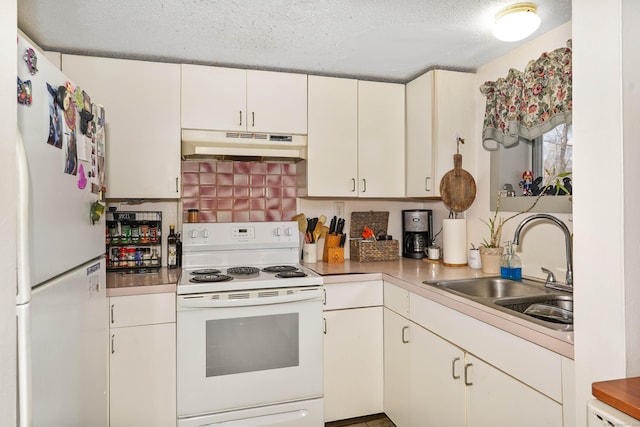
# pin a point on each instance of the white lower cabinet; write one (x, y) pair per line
(142, 361)
(467, 373)
(353, 350)
(397, 372)
(454, 388)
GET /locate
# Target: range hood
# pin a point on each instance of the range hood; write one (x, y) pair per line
(242, 145)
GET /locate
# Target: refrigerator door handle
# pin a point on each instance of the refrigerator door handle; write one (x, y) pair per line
(23, 294)
(23, 319)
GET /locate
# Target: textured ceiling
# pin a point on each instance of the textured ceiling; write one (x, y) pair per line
(391, 40)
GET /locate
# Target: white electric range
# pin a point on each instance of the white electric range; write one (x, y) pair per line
(249, 328)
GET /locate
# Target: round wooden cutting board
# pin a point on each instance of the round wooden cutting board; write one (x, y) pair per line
(457, 187)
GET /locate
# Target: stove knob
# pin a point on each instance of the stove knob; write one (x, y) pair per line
(287, 231)
(194, 234)
(278, 231)
(205, 233)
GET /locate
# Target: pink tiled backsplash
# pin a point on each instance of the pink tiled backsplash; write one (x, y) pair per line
(226, 191)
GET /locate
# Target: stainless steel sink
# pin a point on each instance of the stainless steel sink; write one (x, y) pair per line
(528, 299)
(492, 287)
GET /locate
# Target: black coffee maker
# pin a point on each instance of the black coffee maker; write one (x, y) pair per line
(417, 226)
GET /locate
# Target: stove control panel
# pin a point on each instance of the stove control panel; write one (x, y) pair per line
(244, 232)
(240, 234)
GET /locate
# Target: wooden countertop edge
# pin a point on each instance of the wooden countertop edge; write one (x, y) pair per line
(622, 394)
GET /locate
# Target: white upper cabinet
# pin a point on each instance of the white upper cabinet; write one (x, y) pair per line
(276, 102)
(229, 99)
(214, 98)
(332, 152)
(440, 105)
(381, 139)
(355, 141)
(142, 115)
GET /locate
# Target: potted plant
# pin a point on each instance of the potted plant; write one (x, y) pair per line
(491, 249)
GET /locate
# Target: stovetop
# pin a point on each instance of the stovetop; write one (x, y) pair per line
(217, 279)
(237, 256)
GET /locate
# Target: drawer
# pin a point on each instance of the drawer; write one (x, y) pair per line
(353, 295)
(148, 309)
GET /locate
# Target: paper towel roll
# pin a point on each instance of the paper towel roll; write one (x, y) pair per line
(454, 242)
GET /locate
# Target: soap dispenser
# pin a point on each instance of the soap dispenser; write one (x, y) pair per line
(511, 265)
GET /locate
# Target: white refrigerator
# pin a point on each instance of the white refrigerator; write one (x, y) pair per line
(61, 301)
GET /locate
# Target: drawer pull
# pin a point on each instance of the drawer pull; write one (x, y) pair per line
(453, 368)
(466, 374)
(404, 337)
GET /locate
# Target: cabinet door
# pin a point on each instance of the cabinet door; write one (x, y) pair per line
(496, 399)
(454, 103)
(142, 115)
(381, 139)
(397, 373)
(440, 105)
(214, 98)
(332, 161)
(276, 102)
(420, 159)
(437, 381)
(143, 376)
(353, 365)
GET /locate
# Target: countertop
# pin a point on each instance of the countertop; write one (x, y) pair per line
(158, 281)
(406, 273)
(622, 394)
(410, 273)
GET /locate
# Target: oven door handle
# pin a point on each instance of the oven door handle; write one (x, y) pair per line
(205, 301)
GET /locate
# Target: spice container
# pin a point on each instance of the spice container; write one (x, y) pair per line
(193, 215)
(125, 232)
(135, 232)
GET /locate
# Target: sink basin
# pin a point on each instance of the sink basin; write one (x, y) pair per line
(550, 308)
(528, 299)
(492, 287)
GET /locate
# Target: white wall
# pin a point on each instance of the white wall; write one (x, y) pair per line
(8, 112)
(541, 244)
(316, 207)
(606, 154)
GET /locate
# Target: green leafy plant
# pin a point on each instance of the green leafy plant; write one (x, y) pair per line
(496, 222)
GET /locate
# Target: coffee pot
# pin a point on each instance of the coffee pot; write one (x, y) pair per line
(417, 227)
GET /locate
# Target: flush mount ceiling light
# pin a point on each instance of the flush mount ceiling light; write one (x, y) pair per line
(516, 22)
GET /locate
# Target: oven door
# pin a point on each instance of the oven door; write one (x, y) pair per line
(238, 350)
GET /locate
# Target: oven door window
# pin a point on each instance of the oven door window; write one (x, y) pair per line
(251, 344)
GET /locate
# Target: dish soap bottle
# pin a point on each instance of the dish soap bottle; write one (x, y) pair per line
(511, 265)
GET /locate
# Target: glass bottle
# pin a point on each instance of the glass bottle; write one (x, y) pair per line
(511, 265)
(172, 248)
(179, 250)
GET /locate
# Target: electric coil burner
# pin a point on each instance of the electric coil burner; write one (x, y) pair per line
(210, 278)
(279, 268)
(203, 271)
(243, 271)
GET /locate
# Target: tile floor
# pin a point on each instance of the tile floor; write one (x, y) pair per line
(379, 420)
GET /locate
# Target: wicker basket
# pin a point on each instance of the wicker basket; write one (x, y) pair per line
(368, 250)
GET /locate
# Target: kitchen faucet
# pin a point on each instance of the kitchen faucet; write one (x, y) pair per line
(550, 282)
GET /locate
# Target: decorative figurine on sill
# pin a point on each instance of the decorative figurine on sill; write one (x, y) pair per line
(525, 184)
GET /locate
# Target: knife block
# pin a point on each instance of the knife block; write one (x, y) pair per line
(332, 253)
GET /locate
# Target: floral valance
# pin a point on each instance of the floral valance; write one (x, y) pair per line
(530, 103)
